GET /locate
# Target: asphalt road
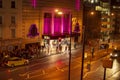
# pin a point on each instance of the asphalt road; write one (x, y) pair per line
(55, 67)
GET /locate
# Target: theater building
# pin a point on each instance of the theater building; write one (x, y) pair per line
(40, 22)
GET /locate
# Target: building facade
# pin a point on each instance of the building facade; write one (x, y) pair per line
(35, 21)
(10, 23)
(115, 11)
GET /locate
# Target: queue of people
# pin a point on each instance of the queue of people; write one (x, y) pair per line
(36, 50)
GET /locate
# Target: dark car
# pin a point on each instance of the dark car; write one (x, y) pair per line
(115, 53)
(104, 46)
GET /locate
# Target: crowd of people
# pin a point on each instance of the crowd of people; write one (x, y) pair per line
(26, 53)
(35, 51)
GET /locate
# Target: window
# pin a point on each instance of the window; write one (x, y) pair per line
(56, 24)
(0, 19)
(117, 0)
(0, 3)
(13, 19)
(13, 33)
(47, 23)
(12, 4)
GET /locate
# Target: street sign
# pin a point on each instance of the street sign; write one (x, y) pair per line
(107, 63)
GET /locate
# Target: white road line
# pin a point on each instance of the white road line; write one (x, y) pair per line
(30, 77)
(90, 72)
(59, 69)
(113, 74)
(10, 79)
(31, 72)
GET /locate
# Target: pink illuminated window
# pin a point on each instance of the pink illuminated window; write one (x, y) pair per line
(66, 26)
(57, 24)
(34, 3)
(77, 5)
(47, 23)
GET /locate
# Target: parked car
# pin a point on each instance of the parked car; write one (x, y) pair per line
(115, 53)
(104, 46)
(15, 61)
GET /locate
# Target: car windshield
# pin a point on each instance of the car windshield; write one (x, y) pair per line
(116, 51)
(14, 59)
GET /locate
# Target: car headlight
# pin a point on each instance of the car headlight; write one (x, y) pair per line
(110, 54)
(115, 55)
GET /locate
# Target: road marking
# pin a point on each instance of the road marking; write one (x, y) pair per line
(59, 69)
(10, 79)
(90, 72)
(28, 77)
(113, 74)
(43, 71)
(32, 72)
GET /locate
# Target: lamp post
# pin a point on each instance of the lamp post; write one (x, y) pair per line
(83, 42)
(83, 38)
(69, 70)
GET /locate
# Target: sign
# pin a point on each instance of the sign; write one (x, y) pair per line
(107, 63)
(33, 31)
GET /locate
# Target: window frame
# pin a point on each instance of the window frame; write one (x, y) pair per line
(1, 3)
(13, 4)
(1, 20)
(13, 33)
(13, 19)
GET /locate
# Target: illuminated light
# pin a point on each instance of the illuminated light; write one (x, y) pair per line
(86, 55)
(77, 5)
(60, 13)
(112, 14)
(59, 63)
(8, 70)
(92, 13)
(62, 25)
(115, 48)
(56, 10)
(92, 1)
(116, 55)
(34, 3)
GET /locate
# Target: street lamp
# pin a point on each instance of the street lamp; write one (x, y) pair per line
(92, 12)
(69, 71)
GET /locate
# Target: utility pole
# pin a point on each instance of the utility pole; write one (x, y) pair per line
(69, 71)
(83, 40)
(83, 52)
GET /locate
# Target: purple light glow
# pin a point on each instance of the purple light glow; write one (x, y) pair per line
(62, 25)
(47, 25)
(77, 5)
(33, 32)
(57, 25)
(66, 23)
(70, 22)
(34, 3)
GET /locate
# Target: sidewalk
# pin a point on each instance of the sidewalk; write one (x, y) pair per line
(98, 54)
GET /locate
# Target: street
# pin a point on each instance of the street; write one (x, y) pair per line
(55, 67)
